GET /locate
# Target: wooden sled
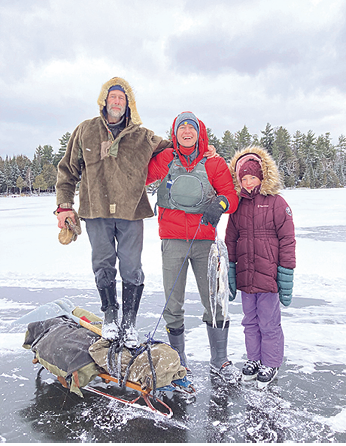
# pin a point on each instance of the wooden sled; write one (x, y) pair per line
(65, 307)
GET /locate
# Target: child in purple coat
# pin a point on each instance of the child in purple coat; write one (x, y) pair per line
(261, 247)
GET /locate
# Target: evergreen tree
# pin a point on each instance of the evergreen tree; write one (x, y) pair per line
(23, 163)
(340, 160)
(62, 149)
(309, 160)
(283, 155)
(36, 166)
(213, 140)
(2, 176)
(47, 155)
(38, 156)
(267, 139)
(243, 138)
(227, 146)
(15, 172)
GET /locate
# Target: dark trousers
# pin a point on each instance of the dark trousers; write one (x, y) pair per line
(112, 239)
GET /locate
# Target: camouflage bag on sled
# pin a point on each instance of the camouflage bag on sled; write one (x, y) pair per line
(76, 355)
(61, 346)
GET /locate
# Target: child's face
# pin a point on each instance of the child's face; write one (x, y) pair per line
(249, 182)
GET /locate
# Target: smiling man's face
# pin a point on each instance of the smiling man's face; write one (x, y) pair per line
(187, 135)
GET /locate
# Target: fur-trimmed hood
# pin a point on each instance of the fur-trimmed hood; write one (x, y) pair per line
(131, 102)
(271, 183)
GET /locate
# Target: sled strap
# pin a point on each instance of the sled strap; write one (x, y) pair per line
(152, 369)
(132, 360)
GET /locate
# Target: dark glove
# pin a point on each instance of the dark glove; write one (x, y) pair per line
(214, 211)
(232, 281)
(285, 285)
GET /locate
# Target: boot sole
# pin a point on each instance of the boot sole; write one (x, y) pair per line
(248, 378)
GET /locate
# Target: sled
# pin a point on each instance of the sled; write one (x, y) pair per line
(64, 307)
(149, 400)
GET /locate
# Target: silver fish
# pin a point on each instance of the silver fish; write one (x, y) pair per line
(218, 265)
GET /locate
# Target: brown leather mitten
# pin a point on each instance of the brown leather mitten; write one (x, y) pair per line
(70, 233)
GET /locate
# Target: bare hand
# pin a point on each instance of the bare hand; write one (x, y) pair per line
(61, 216)
(211, 152)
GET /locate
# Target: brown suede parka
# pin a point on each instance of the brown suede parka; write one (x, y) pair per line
(112, 172)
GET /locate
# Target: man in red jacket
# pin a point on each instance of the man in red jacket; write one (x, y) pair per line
(193, 194)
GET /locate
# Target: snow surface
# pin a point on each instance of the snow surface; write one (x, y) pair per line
(315, 332)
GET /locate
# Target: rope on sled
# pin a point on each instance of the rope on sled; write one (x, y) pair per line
(116, 347)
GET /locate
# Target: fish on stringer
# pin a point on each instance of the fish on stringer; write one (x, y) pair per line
(218, 265)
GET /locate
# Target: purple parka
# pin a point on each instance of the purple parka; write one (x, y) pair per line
(260, 234)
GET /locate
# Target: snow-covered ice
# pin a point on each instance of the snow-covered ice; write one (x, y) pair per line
(314, 325)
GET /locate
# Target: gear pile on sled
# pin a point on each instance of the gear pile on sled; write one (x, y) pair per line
(77, 354)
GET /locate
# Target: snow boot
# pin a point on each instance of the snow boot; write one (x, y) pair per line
(131, 298)
(250, 370)
(176, 337)
(110, 307)
(219, 363)
(266, 375)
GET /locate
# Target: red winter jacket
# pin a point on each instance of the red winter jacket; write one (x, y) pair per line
(260, 234)
(177, 224)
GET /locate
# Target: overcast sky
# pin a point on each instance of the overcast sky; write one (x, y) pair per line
(231, 62)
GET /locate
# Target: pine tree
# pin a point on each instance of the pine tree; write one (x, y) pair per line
(267, 139)
(340, 160)
(23, 163)
(243, 138)
(283, 155)
(213, 140)
(47, 155)
(62, 149)
(228, 146)
(309, 160)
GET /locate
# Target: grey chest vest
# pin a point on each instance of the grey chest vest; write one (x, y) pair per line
(190, 192)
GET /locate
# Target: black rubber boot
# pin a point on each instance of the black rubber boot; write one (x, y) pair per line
(176, 337)
(219, 363)
(131, 298)
(110, 307)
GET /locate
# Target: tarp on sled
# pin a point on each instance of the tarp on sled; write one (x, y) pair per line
(76, 355)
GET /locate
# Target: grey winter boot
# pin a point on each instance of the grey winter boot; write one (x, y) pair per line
(219, 363)
(176, 337)
(131, 298)
(110, 307)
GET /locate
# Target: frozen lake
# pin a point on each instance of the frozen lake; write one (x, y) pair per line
(306, 403)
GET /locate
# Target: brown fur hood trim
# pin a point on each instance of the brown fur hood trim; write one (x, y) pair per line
(271, 183)
(135, 118)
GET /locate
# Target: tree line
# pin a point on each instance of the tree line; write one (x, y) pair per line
(19, 174)
(304, 160)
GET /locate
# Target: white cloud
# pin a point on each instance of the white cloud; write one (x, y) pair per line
(232, 63)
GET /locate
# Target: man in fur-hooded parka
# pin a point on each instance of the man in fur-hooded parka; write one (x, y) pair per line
(260, 234)
(109, 155)
(112, 169)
